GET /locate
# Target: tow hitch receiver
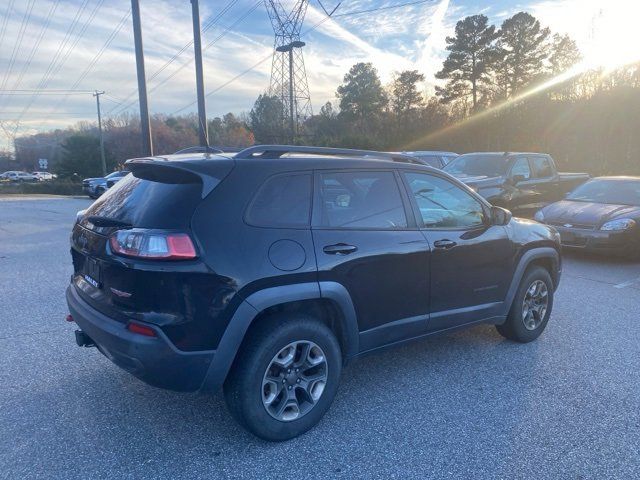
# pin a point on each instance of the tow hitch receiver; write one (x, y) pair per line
(84, 340)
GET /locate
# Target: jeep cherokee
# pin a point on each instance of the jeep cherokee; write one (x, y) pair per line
(265, 273)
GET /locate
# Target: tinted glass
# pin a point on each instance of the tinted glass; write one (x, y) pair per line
(443, 204)
(148, 204)
(490, 165)
(361, 200)
(614, 192)
(541, 167)
(431, 160)
(521, 167)
(282, 201)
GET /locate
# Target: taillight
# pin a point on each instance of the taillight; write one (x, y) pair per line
(152, 245)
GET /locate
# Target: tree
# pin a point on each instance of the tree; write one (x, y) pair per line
(522, 51)
(361, 94)
(81, 155)
(405, 97)
(468, 66)
(564, 54)
(266, 120)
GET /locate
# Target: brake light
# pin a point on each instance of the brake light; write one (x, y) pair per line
(152, 245)
(141, 329)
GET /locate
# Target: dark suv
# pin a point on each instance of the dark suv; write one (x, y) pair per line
(267, 272)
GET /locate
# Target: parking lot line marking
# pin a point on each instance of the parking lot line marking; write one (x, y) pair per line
(628, 283)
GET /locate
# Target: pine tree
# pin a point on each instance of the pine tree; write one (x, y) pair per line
(467, 69)
(522, 52)
(361, 95)
(405, 97)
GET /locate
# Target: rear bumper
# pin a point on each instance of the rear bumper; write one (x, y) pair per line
(155, 360)
(621, 243)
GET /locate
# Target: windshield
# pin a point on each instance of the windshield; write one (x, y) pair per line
(116, 174)
(615, 192)
(478, 164)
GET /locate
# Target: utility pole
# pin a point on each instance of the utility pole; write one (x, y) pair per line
(145, 123)
(104, 163)
(197, 48)
(292, 108)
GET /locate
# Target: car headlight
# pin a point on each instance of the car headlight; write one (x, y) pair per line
(539, 216)
(619, 224)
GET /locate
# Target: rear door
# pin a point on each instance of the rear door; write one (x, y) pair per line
(471, 260)
(366, 239)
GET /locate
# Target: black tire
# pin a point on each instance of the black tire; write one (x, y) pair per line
(244, 387)
(514, 327)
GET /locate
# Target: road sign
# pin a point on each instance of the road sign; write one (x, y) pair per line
(44, 163)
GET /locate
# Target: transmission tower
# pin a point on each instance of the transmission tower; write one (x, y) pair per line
(288, 75)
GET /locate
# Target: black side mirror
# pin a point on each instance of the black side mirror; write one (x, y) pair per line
(500, 216)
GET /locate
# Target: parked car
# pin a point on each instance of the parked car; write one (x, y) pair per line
(94, 187)
(18, 177)
(264, 275)
(433, 158)
(43, 176)
(601, 215)
(520, 182)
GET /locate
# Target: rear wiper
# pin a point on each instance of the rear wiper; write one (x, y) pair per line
(106, 221)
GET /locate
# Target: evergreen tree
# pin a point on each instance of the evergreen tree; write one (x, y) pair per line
(267, 120)
(564, 54)
(405, 97)
(522, 52)
(361, 95)
(467, 69)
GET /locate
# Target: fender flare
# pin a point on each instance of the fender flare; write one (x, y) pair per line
(257, 302)
(526, 259)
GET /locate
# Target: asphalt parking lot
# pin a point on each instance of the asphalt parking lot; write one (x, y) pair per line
(463, 405)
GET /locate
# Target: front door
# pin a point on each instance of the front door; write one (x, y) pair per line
(471, 260)
(366, 239)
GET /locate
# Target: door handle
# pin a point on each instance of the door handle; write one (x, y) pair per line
(445, 244)
(339, 249)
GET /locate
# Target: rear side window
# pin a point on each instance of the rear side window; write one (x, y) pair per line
(282, 201)
(541, 167)
(361, 200)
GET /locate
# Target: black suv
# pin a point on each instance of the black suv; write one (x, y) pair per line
(267, 272)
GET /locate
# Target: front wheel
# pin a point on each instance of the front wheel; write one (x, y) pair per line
(531, 308)
(285, 377)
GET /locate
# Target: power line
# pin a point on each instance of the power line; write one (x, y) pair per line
(314, 27)
(16, 46)
(5, 21)
(185, 64)
(205, 27)
(66, 55)
(37, 43)
(379, 9)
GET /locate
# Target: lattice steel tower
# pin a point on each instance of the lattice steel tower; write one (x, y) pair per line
(288, 75)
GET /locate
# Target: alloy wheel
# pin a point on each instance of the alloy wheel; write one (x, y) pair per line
(535, 304)
(294, 380)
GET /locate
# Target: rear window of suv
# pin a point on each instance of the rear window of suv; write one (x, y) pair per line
(148, 204)
(282, 201)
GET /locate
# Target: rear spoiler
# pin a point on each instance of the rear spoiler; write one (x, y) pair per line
(208, 172)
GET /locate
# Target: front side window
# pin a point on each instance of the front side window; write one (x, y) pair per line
(361, 200)
(282, 201)
(541, 167)
(521, 169)
(443, 204)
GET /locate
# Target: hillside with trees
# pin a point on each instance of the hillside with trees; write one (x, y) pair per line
(502, 88)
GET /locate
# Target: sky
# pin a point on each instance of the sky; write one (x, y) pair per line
(87, 45)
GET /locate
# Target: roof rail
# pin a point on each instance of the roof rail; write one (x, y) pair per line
(277, 151)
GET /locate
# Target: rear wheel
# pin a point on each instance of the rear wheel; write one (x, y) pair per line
(531, 307)
(285, 376)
